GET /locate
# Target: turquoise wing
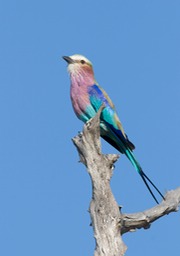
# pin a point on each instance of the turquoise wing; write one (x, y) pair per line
(111, 127)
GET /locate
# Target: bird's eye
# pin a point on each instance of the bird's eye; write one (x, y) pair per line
(83, 62)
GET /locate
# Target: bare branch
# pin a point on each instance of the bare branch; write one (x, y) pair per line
(107, 220)
(131, 222)
(104, 210)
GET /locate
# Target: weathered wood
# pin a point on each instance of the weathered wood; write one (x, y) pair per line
(104, 210)
(133, 221)
(107, 220)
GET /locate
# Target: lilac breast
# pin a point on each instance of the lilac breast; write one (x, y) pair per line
(80, 98)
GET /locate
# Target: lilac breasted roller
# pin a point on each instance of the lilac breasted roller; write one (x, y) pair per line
(87, 97)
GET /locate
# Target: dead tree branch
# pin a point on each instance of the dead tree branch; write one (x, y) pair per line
(108, 222)
(131, 222)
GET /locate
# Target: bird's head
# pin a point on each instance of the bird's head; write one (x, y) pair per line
(79, 66)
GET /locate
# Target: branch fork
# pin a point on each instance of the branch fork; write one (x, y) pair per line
(108, 221)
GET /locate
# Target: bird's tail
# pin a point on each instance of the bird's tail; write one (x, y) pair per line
(121, 143)
(144, 177)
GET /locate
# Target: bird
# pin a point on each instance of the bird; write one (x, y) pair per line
(87, 96)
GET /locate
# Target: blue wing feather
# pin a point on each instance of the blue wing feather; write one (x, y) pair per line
(113, 134)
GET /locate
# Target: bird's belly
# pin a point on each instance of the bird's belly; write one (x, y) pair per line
(82, 107)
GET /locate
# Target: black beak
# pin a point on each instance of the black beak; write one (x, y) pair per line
(68, 59)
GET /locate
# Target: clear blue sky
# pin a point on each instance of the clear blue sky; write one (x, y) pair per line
(44, 191)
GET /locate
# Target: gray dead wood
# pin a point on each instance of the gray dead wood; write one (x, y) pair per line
(133, 221)
(108, 222)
